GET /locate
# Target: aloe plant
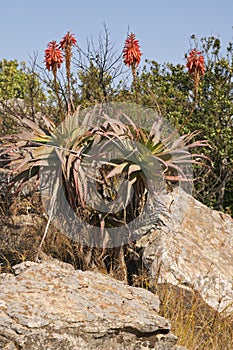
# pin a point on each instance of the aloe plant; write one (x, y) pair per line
(104, 167)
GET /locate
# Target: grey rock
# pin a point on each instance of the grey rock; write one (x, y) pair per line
(50, 306)
(194, 249)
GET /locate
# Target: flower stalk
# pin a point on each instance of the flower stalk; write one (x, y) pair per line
(132, 57)
(53, 61)
(196, 69)
(66, 44)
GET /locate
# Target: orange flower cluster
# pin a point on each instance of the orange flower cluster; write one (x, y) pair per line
(53, 53)
(131, 53)
(68, 41)
(53, 56)
(196, 62)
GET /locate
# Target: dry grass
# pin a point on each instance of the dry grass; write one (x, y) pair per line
(23, 224)
(196, 325)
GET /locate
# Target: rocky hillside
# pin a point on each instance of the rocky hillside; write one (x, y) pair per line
(187, 262)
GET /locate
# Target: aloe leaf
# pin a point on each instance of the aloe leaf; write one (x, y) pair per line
(134, 168)
(117, 170)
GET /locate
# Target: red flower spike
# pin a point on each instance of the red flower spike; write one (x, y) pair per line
(195, 62)
(68, 40)
(131, 53)
(53, 56)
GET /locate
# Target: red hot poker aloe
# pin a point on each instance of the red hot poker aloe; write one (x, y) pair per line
(53, 60)
(68, 41)
(132, 57)
(132, 53)
(196, 67)
(66, 44)
(196, 62)
(53, 56)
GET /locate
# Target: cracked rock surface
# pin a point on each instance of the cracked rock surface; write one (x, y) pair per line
(51, 306)
(194, 249)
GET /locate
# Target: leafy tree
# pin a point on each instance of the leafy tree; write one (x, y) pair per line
(13, 80)
(98, 68)
(20, 93)
(169, 88)
(90, 88)
(215, 117)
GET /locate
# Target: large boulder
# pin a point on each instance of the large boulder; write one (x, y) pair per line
(49, 305)
(193, 250)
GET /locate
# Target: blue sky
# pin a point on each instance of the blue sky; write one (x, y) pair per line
(163, 27)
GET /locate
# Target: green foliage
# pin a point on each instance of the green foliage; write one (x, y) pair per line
(13, 80)
(165, 87)
(21, 93)
(215, 118)
(94, 85)
(169, 89)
